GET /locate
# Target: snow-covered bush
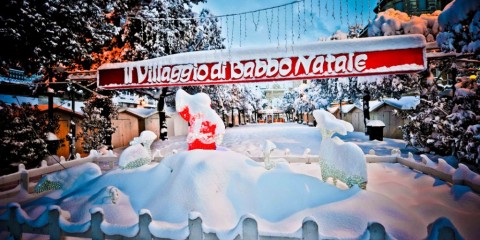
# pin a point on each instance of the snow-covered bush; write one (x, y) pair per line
(23, 133)
(447, 124)
(460, 27)
(394, 22)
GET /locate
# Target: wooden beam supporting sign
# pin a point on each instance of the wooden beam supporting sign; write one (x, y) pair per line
(342, 58)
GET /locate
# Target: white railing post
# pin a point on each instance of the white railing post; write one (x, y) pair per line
(250, 229)
(371, 152)
(310, 230)
(306, 154)
(43, 164)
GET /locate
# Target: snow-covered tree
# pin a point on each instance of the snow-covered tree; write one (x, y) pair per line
(288, 101)
(394, 22)
(51, 33)
(444, 123)
(97, 126)
(23, 131)
(208, 33)
(460, 27)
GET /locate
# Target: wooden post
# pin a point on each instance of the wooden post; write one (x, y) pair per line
(377, 231)
(310, 230)
(250, 229)
(24, 180)
(97, 219)
(13, 226)
(53, 224)
(144, 220)
(195, 228)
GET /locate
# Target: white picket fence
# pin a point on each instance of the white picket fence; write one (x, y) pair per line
(249, 230)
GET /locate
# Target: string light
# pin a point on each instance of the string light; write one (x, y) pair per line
(245, 26)
(285, 26)
(319, 8)
(333, 10)
(256, 22)
(326, 6)
(361, 13)
(228, 32)
(293, 33)
(240, 32)
(304, 17)
(278, 27)
(356, 13)
(233, 32)
(311, 12)
(341, 18)
(226, 15)
(298, 21)
(269, 25)
(348, 18)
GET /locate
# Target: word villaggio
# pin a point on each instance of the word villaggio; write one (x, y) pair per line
(249, 69)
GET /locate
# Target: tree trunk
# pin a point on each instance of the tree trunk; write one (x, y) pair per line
(341, 117)
(162, 115)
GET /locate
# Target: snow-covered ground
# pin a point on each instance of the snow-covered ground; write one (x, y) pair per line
(249, 139)
(223, 187)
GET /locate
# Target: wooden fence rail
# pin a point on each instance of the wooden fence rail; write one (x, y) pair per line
(249, 229)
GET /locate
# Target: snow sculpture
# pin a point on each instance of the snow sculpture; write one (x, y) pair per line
(134, 156)
(338, 159)
(107, 195)
(206, 127)
(267, 150)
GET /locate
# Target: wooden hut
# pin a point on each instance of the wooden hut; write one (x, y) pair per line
(380, 110)
(176, 125)
(66, 116)
(386, 113)
(127, 124)
(148, 119)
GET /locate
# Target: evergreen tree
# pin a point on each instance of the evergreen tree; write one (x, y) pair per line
(23, 131)
(51, 33)
(97, 127)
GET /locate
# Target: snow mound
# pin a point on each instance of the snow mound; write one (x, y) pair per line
(224, 188)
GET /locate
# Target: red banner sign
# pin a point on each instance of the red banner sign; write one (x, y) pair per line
(366, 56)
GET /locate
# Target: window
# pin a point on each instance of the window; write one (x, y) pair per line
(422, 4)
(399, 6)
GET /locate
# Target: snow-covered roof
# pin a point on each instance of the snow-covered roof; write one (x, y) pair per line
(332, 109)
(404, 103)
(9, 99)
(44, 108)
(347, 108)
(374, 105)
(140, 112)
(375, 123)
